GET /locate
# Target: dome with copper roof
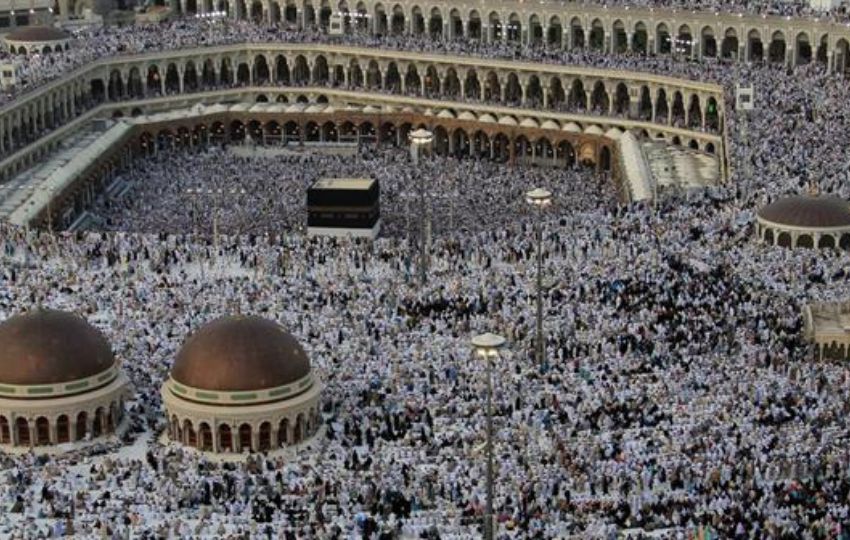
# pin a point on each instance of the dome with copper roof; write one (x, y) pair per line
(807, 211)
(45, 347)
(234, 354)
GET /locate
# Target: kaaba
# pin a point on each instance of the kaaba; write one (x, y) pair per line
(344, 207)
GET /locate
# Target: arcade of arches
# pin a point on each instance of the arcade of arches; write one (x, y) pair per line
(655, 101)
(790, 41)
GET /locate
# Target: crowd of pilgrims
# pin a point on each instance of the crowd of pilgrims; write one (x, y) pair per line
(676, 395)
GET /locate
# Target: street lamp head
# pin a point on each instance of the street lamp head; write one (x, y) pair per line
(539, 197)
(487, 344)
(421, 137)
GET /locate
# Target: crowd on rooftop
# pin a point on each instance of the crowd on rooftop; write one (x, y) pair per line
(676, 395)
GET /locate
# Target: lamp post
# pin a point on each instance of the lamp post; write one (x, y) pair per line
(216, 195)
(540, 198)
(487, 347)
(418, 140)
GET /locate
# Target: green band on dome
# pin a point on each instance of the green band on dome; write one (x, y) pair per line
(277, 393)
(59, 389)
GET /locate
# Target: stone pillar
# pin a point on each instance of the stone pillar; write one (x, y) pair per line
(235, 439)
(216, 443)
(13, 429)
(255, 438)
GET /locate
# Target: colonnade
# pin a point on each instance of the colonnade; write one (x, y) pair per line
(254, 436)
(27, 431)
(686, 34)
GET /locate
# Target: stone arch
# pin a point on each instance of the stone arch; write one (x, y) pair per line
(435, 23)
(685, 41)
(557, 96)
(472, 87)
(397, 21)
(98, 423)
(644, 110)
(205, 437)
(826, 241)
(261, 70)
(265, 437)
(82, 425)
(844, 241)
(535, 30)
(225, 438)
(300, 71)
(460, 142)
(694, 112)
(621, 99)
(299, 433)
(755, 46)
(663, 41)
(495, 26)
(783, 239)
(805, 241)
(597, 36)
(455, 24)
(709, 42)
(63, 429)
(729, 47)
(153, 80)
(599, 100)
(555, 33)
(577, 32)
(473, 25)
(190, 77)
(768, 236)
(374, 78)
(381, 21)
(5, 435)
(392, 79)
(803, 47)
(513, 90)
(678, 109)
(440, 145)
(493, 88)
(281, 69)
(321, 73)
(776, 50)
(451, 84)
(417, 21)
(640, 38)
(189, 436)
(577, 99)
(432, 82)
(534, 92)
(22, 429)
(412, 81)
(621, 42)
(283, 432)
(42, 431)
(257, 11)
(712, 119)
(565, 154)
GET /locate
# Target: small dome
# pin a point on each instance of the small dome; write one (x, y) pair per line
(51, 347)
(233, 354)
(807, 212)
(37, 34)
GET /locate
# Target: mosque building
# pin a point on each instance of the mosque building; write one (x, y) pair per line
(241, 383)
(59, 381)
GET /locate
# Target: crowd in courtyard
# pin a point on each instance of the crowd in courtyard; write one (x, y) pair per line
(676, 394)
